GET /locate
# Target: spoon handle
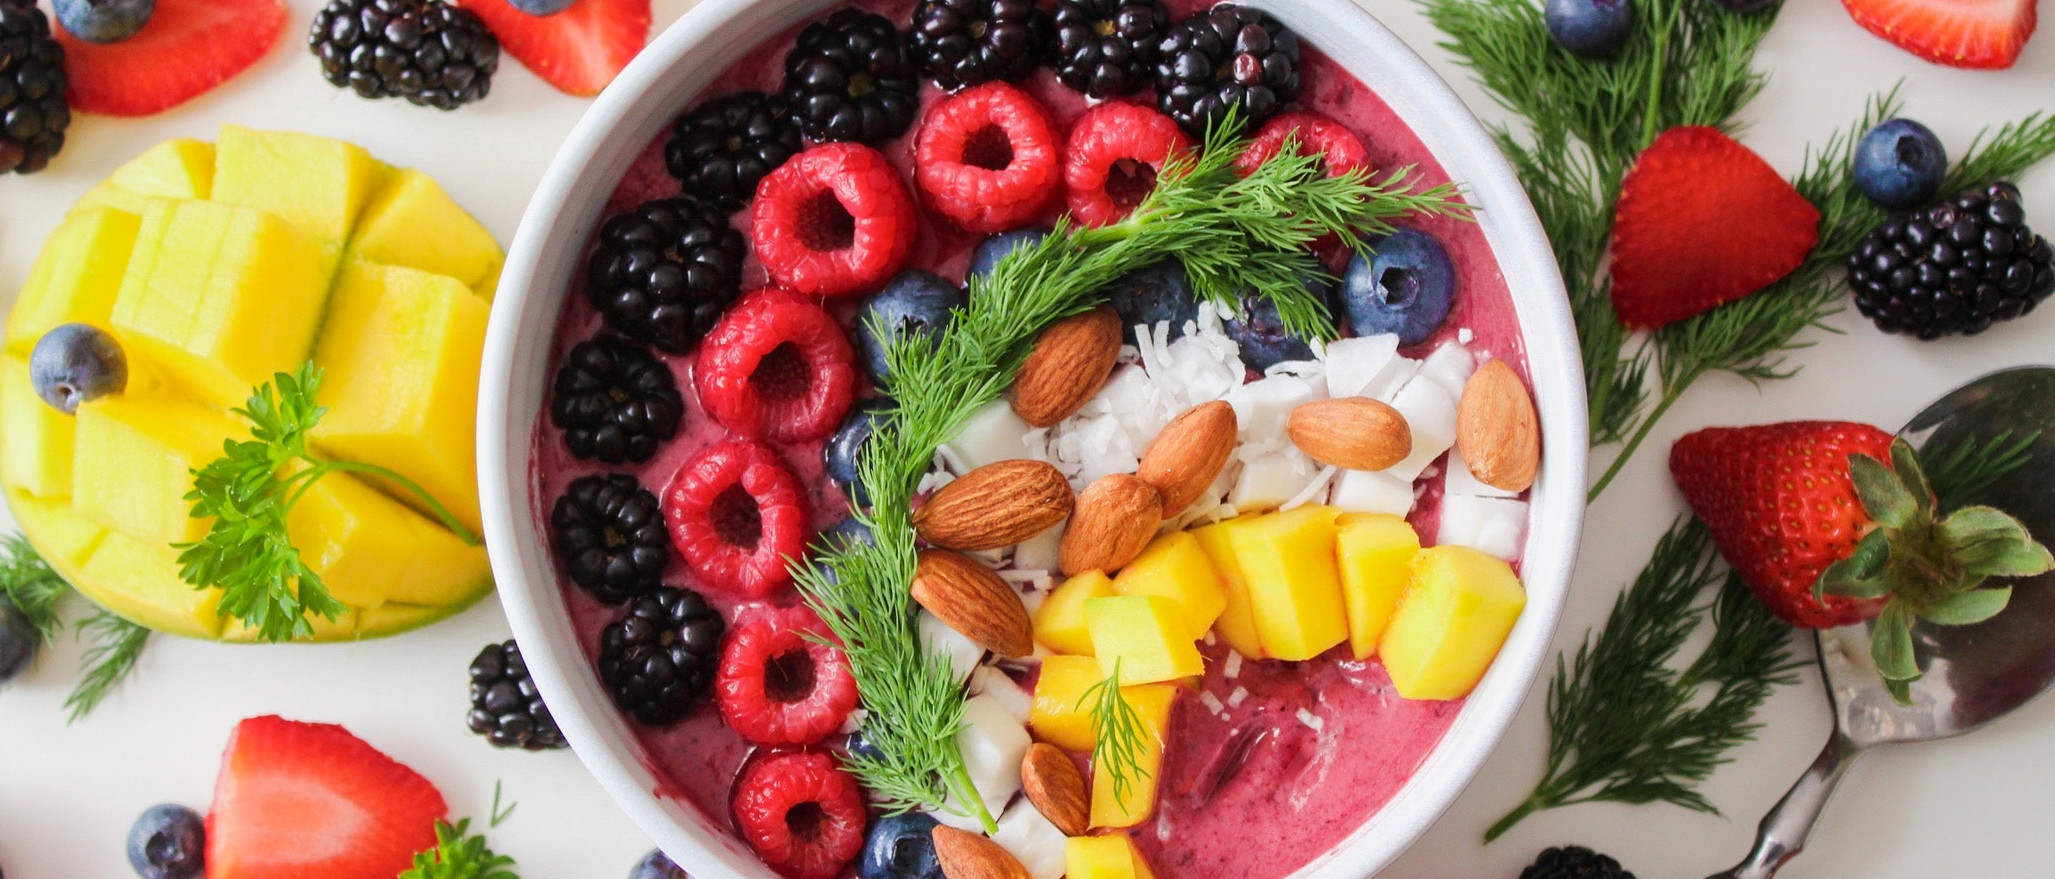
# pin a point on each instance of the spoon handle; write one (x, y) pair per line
(1782, 833)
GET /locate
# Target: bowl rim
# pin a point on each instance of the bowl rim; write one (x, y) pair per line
(679, 64)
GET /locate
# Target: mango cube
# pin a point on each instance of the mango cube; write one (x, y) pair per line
(1237, 623)
(1062, 714)
(1146, 637)
(138, 580)
(1454, 618)
(1060, 621)
(144, 449)
(1103, 857)
(369, 549)
(1376, 552)
(1112, 807)
(316, 183)
(1288, 560)
(75, 278)
(177, 169)
(412, 222)
(1175, 567)
(35, 439)
(62, 537)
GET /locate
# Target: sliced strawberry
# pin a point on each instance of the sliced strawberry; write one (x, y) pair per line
(578, 50)
(1701, 222)
(187, 48)
(311, 801)
(1982, 34)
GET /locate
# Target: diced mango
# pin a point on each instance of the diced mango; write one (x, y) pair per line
(369, 549)
(1060, 621)
(1062, 715)
(75, 278)
(138, 580)
(412, 222)
(1103, 857)
(1375, 551)
(1175, 567)
(1237, 623)
(316, 183)
(1147, 637)
(143, 450)
(1454, 618)
(62, 537)
(178, 169)
(1294, 588)
(35, 439)
(1112, 807)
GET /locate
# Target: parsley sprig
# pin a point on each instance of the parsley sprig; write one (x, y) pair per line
(461, 854)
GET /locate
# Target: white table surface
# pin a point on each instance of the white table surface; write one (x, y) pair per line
(1975, 807)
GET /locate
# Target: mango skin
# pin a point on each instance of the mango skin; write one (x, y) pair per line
(1449, 627)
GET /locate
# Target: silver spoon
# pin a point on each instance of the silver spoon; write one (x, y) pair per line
(1973, 674)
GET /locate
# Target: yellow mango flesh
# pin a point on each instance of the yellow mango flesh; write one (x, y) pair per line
(1103, 857)
(35, 439)
(1146, 637)
(62, 537)
(1451, 623)
(139, 580)
(1288, 561)
(1175, 567)
(412, 222)
(144, 449)
(75, 278)
(1060, 621)
(1375, 551)
(315, 183)
(369, 549)
(1237, 623)
(1062, 714)
(177, 169)
(1110, 808)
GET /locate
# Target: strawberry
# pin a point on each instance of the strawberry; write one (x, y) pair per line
(311, 801)
(1701, 222)
(1982, 34)
(578, 50)
(187, 48)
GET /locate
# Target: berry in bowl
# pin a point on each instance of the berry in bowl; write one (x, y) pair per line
(970, 436)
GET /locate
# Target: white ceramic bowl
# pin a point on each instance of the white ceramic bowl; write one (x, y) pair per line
(714, 35)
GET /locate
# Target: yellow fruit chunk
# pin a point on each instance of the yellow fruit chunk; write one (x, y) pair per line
(316, 183)
(369, 549)
(1147, 637)
(1062, 714)
(138, 580)
(1060, 621)
(1175, 567)
(1451, 623)
(1103, 857)
(412, 222)
(63, 538)
(35, 439)
(1376, 552)
(1237, 623)
(75, 278)
(399, 359)
(1132, 806)
(178, 169)
(1294, 588)
(144, 449)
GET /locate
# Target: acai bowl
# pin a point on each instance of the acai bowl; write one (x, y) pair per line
(640, 506)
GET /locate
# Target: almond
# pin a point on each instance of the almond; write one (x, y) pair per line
(1051, 781)
(966, 855)
(1188, 454)
(1114, 518)
(1069, 363)
(1354, 433)
(964, 594)
(1497, 430)
(999, 504)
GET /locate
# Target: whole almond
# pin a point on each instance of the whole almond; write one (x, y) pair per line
(1071, 360)
(966, 855)
(1186, 456)
(1114, 519)
(1353, 433)
(999, 504)
(1497, 430)
(1051, 781)
(964, 594)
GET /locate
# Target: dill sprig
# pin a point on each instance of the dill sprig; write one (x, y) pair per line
(1960, 470)
(28, 582)
(116, 645)
(1118, 734)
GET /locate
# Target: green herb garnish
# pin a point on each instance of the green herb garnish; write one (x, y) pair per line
(461, 854)
(1961, 470)
(1118, 735)
(28, 581)
(117, 644)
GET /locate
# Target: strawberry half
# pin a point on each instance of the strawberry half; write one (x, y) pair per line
(1981, 34)
(578, 50)
(1702, 221)
(311, 801)
(187, 48)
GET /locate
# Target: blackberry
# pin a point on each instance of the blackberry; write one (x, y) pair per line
(720, 151)
(962, 43)
(432, 53)
(660, 657)
(665, 271)
(1224, 57)
(505, 707)
(609, 531)
(615, 401)
(1955, 267)
(1574, 862)
(851, 78)
(33, 110)
(1107, 48)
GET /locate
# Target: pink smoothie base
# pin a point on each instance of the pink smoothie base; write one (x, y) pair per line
(1255, 765)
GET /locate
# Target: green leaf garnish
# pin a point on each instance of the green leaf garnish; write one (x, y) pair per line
(459, 854)
(29, 582)
(117, 644)
(1119, 736)
(1961, 470)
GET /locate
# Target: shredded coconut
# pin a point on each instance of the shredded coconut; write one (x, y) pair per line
(1235, 698)
(1233, 667)
(1212, 703)
(1311, 720)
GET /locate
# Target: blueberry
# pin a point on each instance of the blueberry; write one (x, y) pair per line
(74, 363)
(168, 842)
(914, 302)
(850, 531)
(1259, 332)
(1899, 164)
(840, 454)
(656, 865)
(899, 847)
(858, 746)
(540, 7)
(1152, 294)
(1592, 28)
(18, 640)
(991, 250)
(103, 21)
(1406, 288)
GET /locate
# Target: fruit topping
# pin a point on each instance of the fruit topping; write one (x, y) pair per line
(426, 51)
(960, 43)
(1702, 221)
(578, 50)
(168, 841)
(970, 598)
(1592, 28)
(1405, 287)
(1956, 267)
(506, 708)
(776, 366)
(656, 865)
(1574, 862)
(914, 302)
(541, 7)
(187, 48)
(1339, 149)
(33, 85)
(1069, 363)
(722, 150)
(76, 363)
(659, 657)
(851, 78)
(1104, 857)
(1154, 294)
(834, 220)
(1979, 34)
(779, 683)
(614, 401)
(988, 158)
(102, 21)
(1260, 332)
(1107, 48)
(900, 847)
(986, 256)
(802, 814)
(663, 272)
(1226, 57)
(609, 532)
(1112, 159)
(1457, 611)
(839, 457)
(1899, 164)
(736, 514)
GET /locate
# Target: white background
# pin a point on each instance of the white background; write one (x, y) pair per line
(1977, 806)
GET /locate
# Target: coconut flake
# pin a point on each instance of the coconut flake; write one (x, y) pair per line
(1234, 699)
(1316, 488)
(1232, 668)
(1212, 703)
(1311, 720)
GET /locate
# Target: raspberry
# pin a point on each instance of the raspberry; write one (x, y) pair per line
(778, 684)
(1341, 151)
(834, 220)
(776, 366)
(736, 513)
(802, 813)
(987, 158)
(1114, 154)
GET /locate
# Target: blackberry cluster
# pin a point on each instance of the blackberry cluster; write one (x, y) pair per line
(664, 272)
(851, 78)
(1956, 267)
(615, 401)
(431, 53)
(966, 42)
(33, 109)
(1225, 57)
(661, 656)
(610, 534)
(720, 151)
(1574, 862)
(1107, 48)
(505, 706)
